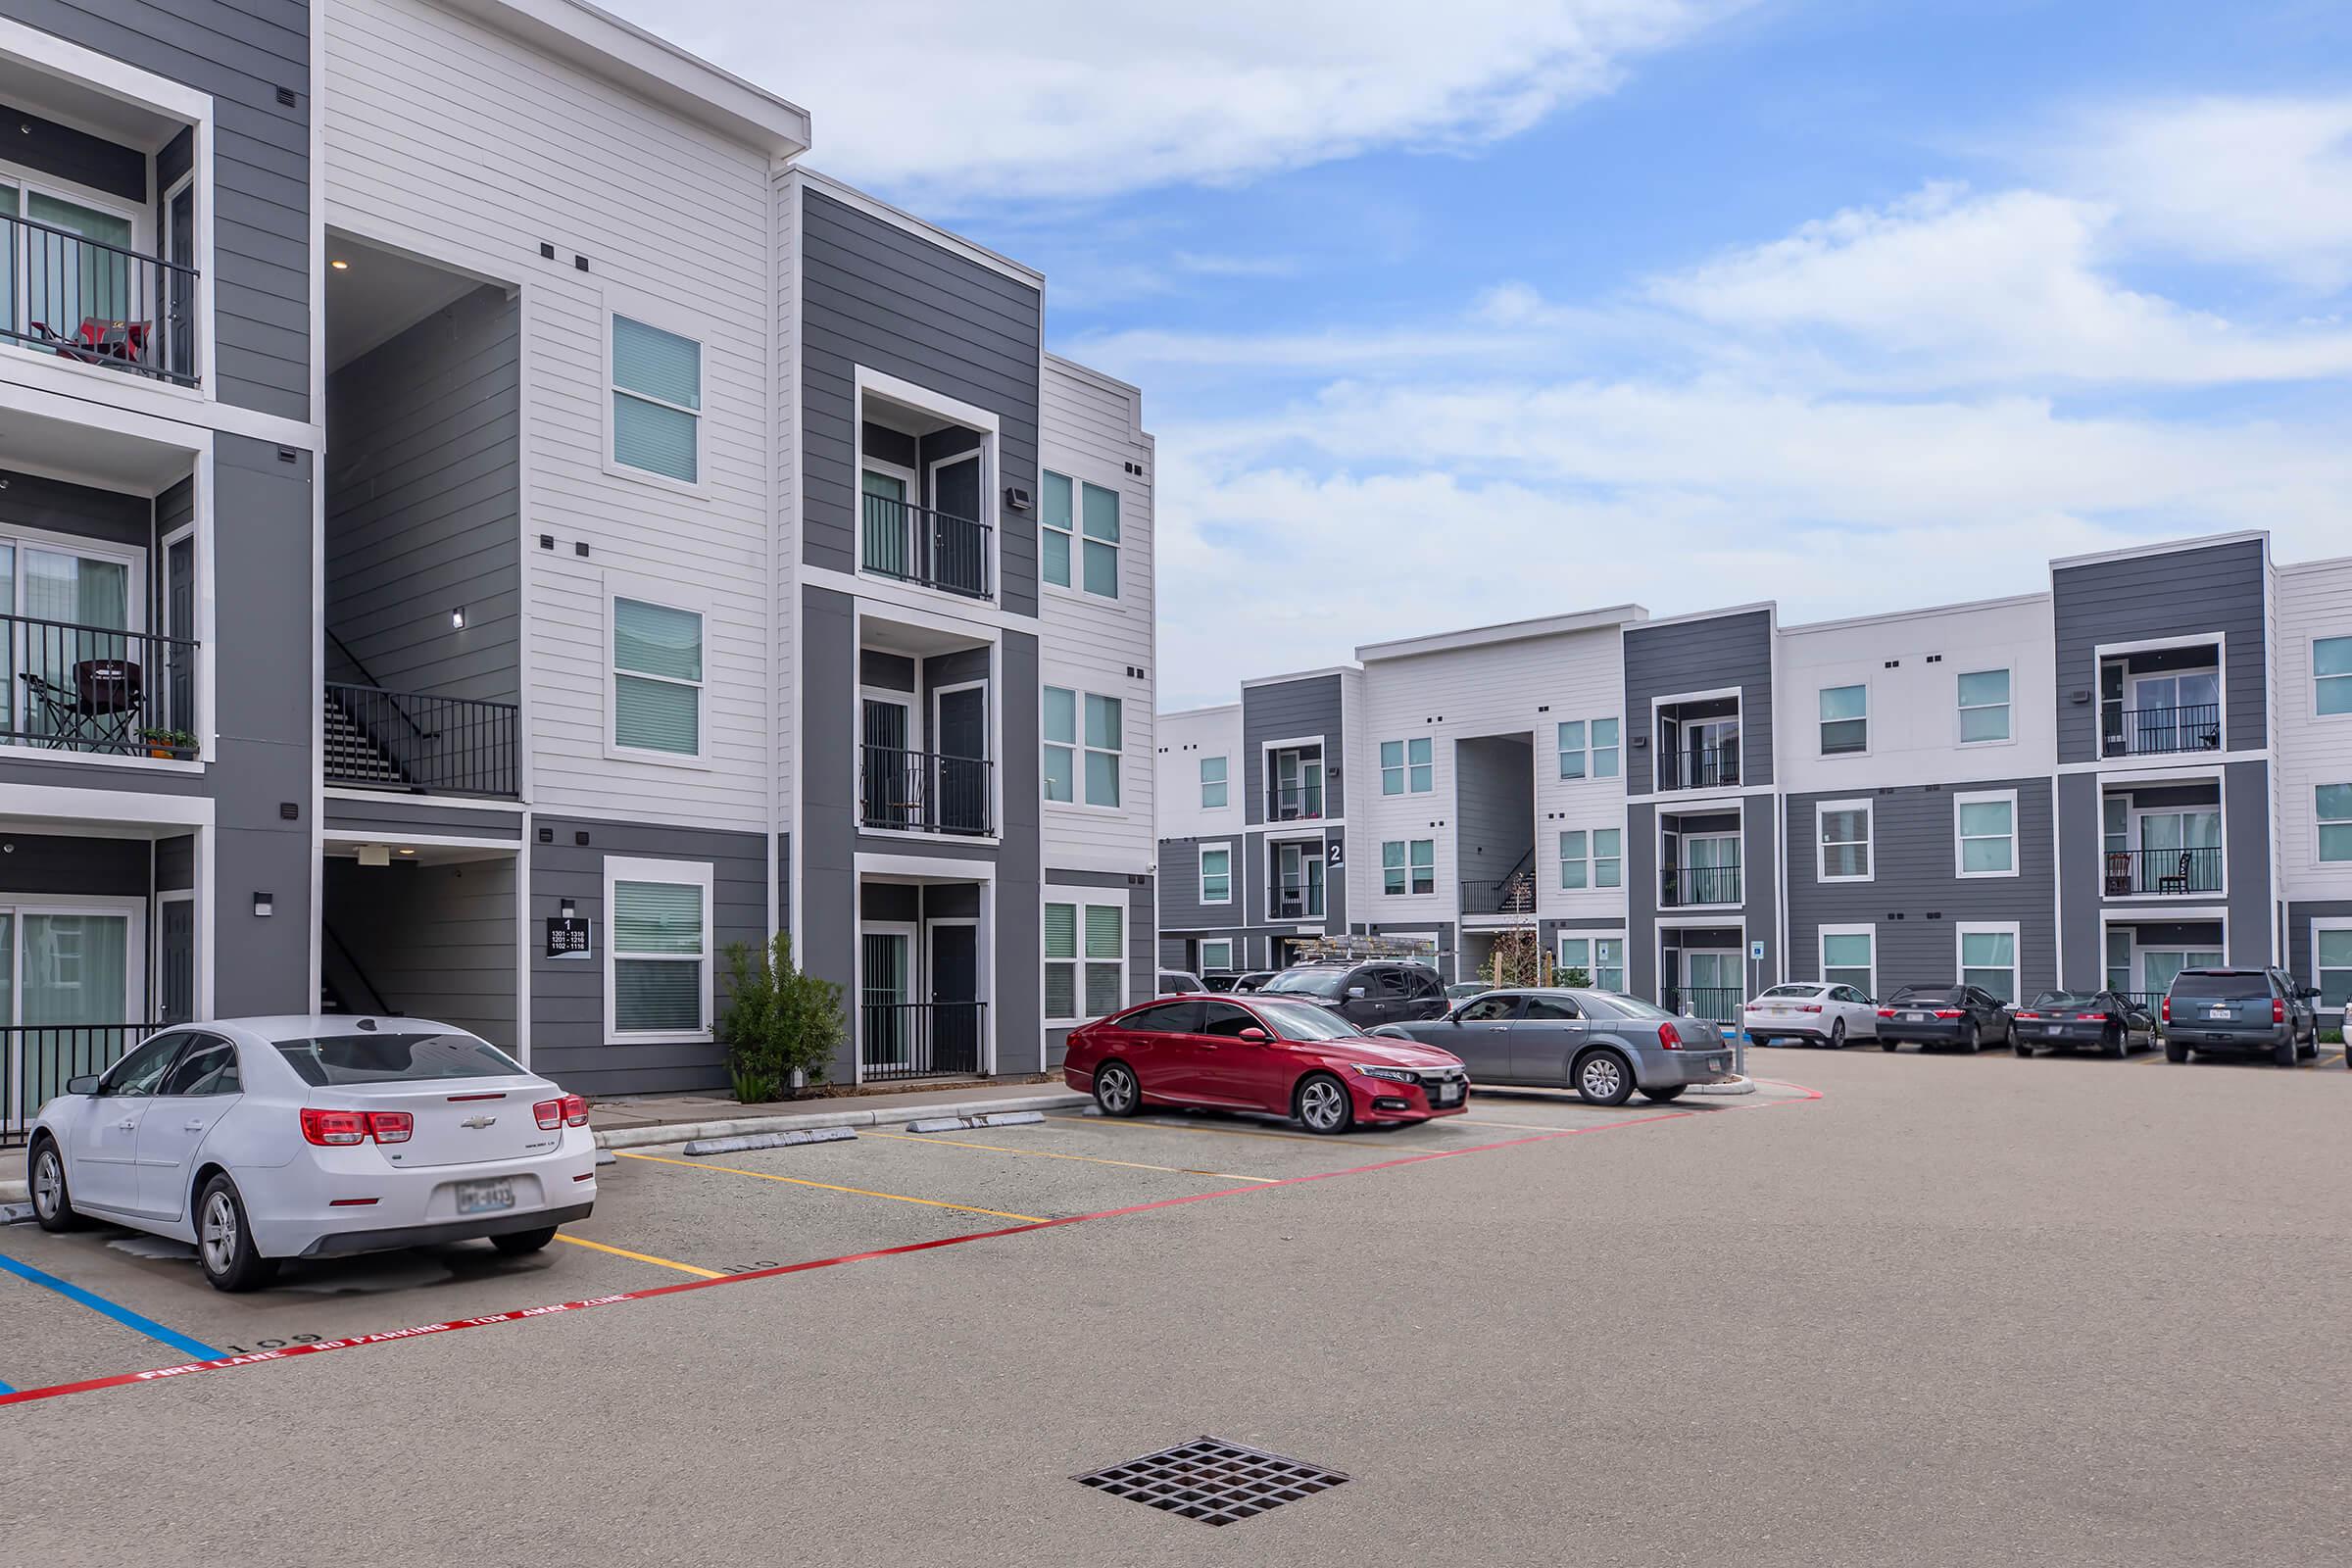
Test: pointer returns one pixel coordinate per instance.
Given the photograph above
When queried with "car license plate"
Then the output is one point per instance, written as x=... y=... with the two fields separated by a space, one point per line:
x=485 y=1198
x=1915 y=1017
x=1716 y=1063
x=2217 y=1013
x=1450 y=1094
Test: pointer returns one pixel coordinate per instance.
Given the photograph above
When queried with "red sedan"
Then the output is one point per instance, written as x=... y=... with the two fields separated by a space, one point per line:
x=1293 y=1059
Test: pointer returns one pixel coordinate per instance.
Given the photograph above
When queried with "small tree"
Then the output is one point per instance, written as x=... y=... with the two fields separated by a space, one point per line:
x=1571 y=975
x=779 y=1020
x=1518 y=958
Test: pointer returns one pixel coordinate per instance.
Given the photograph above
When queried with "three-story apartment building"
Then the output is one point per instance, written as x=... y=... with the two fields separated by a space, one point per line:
x=2146 y=767
x=491 y=529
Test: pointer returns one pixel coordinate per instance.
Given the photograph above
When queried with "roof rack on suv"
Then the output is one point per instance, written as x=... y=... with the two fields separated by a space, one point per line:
x=1354 y=947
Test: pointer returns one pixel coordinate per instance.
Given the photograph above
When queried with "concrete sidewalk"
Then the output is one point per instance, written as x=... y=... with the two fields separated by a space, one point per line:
x=631 y=1122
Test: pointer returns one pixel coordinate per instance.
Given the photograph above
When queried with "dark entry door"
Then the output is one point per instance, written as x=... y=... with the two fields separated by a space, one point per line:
x=962 y=543
x=955 y=998
x=889 y=782
x=962 y=722
x=177 y=981
x=180 y=622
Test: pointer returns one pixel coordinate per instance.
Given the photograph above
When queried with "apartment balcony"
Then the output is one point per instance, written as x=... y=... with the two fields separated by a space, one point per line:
x=1687 y=887
x=923 y=792
x=2157 y=731
x=98 y=690
x=91 y=302
x=1698 y=740
x=2129 y=873
x=1701 y=768
x=927 y=547
x=926 y=497
x=421 y=743
x=1294 y=899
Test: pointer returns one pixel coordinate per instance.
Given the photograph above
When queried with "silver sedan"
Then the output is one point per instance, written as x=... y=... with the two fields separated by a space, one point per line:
x=1603 y=1045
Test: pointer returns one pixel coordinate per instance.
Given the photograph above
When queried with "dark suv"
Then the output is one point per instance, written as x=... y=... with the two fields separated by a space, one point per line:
x=2240 y=1010
x=1366 y=995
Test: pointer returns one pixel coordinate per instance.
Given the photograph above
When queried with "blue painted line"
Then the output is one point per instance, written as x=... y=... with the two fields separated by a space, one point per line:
x=194 y=1349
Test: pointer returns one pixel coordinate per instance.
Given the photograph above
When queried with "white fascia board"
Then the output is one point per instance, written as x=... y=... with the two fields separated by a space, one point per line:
x=1506 y=632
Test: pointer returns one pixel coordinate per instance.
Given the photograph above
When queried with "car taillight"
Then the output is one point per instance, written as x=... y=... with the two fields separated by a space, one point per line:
x=2166 y=1012
x=1670 y=1038
x=1886 y=1013
x=1810 y=1008
x=548 y=1113
x=2277 y=1010
x=2084 y=1017
x=2029 y=1015
x=390 y=1126
x=332 y=1128
x=575 y=1111
x=1949 y=1012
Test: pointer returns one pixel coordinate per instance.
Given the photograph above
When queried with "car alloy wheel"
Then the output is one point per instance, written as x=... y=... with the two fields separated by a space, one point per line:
x=50 y=1204
x=1116 y=1091
x=1604 y=1079
x=218 y=1233
x=1976 y=1038
x=1838 y=1035
x=224 y=1239
x=1323 y=1104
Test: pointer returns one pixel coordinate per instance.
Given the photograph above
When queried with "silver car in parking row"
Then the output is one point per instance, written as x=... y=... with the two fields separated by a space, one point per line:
x=1603 y=1045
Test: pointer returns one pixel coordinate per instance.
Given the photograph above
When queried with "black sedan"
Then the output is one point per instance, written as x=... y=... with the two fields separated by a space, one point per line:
x=1966 y=1017
x=2084 y=1020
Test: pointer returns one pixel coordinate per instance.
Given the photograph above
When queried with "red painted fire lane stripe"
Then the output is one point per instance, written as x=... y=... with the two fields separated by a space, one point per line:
x=357 y=1341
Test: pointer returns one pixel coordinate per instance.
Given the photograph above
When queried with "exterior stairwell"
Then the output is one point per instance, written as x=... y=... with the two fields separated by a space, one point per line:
x=1518 y=892
x=350 y=757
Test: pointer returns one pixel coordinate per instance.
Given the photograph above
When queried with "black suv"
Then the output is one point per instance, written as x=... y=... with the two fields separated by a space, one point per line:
x=2241 y=1009
x=1366 y=995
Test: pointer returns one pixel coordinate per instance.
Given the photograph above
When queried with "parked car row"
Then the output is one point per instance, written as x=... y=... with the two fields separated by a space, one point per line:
x=2233 y=1010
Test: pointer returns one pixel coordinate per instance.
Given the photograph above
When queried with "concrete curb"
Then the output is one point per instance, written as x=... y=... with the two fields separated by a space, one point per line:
x=1740 y=1086
x=888 y=1116
x=964 y=1124
x=786 y=1140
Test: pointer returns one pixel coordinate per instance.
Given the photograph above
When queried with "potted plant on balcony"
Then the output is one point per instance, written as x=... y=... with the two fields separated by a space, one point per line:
x=166 y=743
x=782 y=1026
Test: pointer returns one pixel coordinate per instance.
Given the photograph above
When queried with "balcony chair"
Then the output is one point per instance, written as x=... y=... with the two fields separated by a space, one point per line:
x=2176 y=882
x=2119 y=873
x=99 y=711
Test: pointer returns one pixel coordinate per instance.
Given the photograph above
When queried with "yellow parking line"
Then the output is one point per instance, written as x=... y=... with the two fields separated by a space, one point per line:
x=1187 y=1127
x=641 y=1258
x=799 y=1180
x=1092 y=1159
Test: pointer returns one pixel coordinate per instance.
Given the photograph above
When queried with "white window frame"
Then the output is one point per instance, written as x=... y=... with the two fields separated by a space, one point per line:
x=1966 y=798
x=1225 y=783
x=1082 y=897
x=2325 y=923
x=1589 y=753
x=1406 y=864
x=136 y=946
x=663 y=319
x=660 y=596
x=682 y=873
x=1964 y=929
x=1405 y=768
x=1200 y=873
x=2008 y=707
x=1078 y=748
x=2320 y=824
x=2311 y=654
x=1820 y=953
x=888 y=470
x=1600 y=860
x=1592 y=939
x=1870 y=840
x=1582 y=861
x=1225 y=944
x=1820 y=742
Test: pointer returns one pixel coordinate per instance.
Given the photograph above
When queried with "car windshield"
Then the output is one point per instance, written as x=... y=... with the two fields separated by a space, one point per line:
x=2066 y=998
x=1927 y=994
x=1296 y=1021
x=386 y=1058
x=1308 y=982
x=1609 y=1001
x=1794 y=991
x=2254 y=987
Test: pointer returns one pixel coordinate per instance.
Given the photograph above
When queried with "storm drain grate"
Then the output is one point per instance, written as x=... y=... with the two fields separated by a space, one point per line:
x=1215 y=1481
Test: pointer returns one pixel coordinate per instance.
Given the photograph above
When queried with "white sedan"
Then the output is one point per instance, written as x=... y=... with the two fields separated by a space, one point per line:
x=1811 y=1012
x=261 y=1139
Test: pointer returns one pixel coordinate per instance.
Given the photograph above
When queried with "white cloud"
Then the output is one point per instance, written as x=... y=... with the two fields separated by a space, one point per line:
x=2256 y=182
x=948 y=103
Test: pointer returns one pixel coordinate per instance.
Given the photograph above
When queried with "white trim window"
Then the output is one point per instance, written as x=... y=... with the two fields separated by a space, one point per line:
x=1844 y=840
x=1081 y=520
x=1988 y=956
x=1408 y=768
x=2332 y=805
x=2332 y=963
x=1588 y=749
x=1985 y=834
x=1845 y=721
x=1983 y=707
x=656 y=394
x=1576 y=865
x=1086 y=955
x=1408 y=865
x=1059 y=727
x=1094 y=767
x=1217 y=955
x=1215 y=788
x=658 y=947
x=657 y=677
x=2332 y=675
x=1601 y=957
x=1608 y=857
x=1216 y=873
x=1105 y=739
x=1849 y=957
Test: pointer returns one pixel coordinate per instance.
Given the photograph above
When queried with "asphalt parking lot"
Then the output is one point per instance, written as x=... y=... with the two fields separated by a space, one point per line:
x=1952 y=1309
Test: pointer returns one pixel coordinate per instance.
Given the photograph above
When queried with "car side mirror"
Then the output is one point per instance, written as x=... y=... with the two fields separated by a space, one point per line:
x=2309 y=993
x=1356 y=993
x=88 y=1084
x=1256 y=1036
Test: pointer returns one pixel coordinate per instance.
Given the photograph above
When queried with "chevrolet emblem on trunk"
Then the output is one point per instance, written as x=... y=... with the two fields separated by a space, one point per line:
x=477 y=1123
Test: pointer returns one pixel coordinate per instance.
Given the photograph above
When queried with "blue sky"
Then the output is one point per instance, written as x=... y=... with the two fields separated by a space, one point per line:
x=1446 y=316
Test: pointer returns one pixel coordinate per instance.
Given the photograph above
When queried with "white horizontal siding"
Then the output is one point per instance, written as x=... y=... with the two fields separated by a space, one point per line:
x=1914 y=708
x=1184 y=739
x=1462 y=694
x=2314 y=601
x=674 y=222
x=1090 y=427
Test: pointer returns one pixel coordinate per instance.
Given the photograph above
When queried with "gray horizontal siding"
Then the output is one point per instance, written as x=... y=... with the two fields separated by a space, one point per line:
x=876 y=295
x=52 y=862
x=2177 y=593
x=1916 y=894
x=1180 y=906
x=240 y=51
x=1287 y=710
x=420 y=816
x=1144 y=947
x=435 y=941
x=1692 y=655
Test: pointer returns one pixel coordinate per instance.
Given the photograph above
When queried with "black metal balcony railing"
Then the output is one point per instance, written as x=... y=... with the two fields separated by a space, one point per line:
x=2152 y=731
x=378 y=739
x=1681 y=886
x=98 y=304
x=1514 y=894
x=38 y=1060
x=1294 y=900
x=1293 y=803
x=919 y=1039
x=1699 y=767
x=1714 y=1004
x=2129 y=871
x=937 y=548
x=71 y=687
x=920 y=792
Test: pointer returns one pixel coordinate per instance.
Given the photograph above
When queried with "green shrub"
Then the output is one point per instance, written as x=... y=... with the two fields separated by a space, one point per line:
x=778 y=1019
x=1573 y=976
